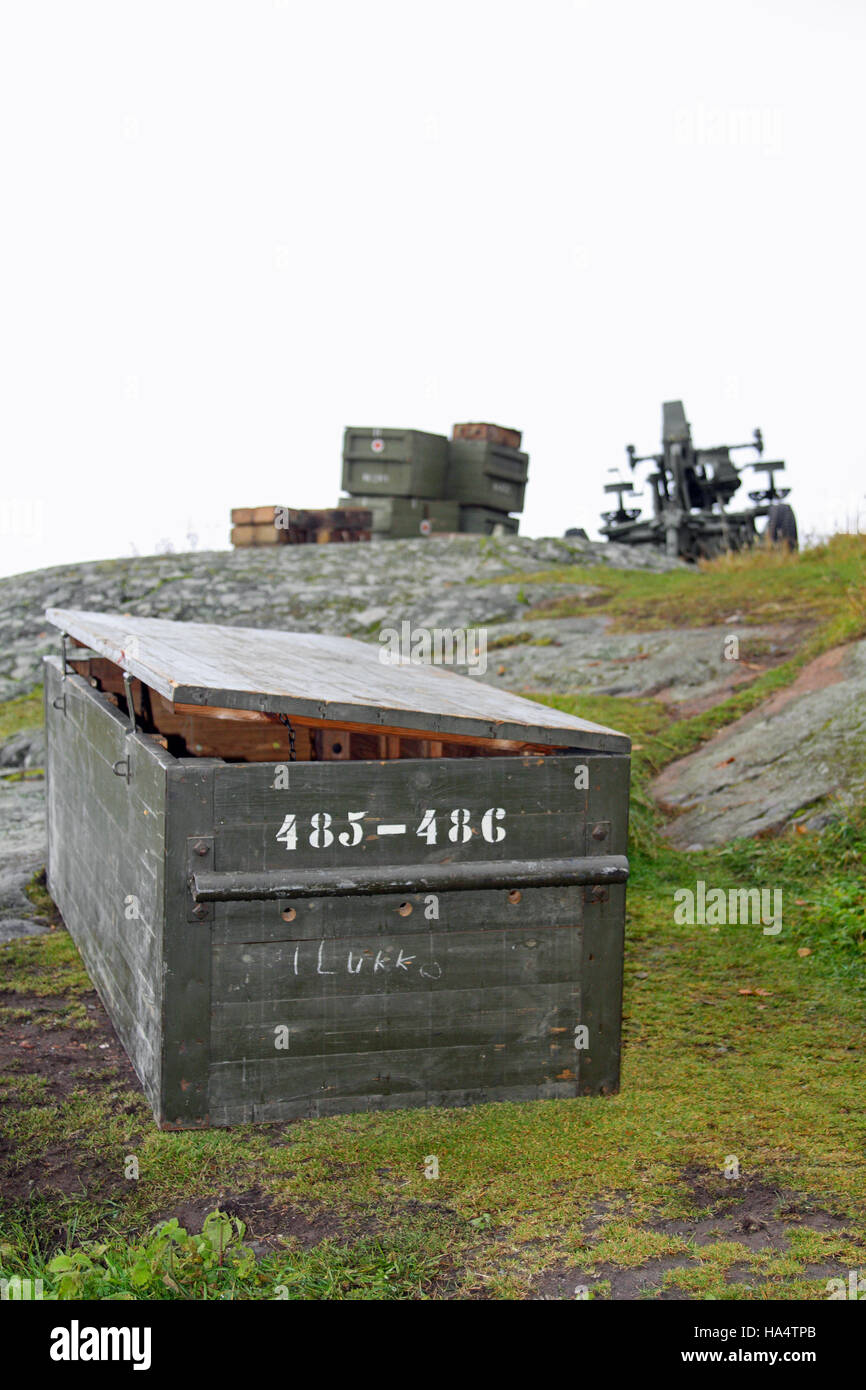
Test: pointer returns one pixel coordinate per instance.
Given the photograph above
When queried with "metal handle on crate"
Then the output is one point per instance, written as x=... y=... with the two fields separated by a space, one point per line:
x=212 y=887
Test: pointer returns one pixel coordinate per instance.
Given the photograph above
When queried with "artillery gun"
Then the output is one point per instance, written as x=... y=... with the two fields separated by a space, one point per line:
x=691 y=489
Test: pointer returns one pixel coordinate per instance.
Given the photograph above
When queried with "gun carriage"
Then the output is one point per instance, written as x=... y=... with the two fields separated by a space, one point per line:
x=690 y=490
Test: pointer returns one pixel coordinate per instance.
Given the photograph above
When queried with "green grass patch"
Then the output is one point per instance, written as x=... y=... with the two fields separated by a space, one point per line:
x=169 y=1262
x=24 y=712
x=45 y=966
x=821 y=585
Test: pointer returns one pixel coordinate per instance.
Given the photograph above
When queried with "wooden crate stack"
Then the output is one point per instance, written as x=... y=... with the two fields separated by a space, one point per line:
x=255 y=526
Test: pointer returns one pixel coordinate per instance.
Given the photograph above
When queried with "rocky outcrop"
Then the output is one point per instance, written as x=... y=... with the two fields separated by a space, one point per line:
x=22 y=854
x=350 y=590
x=686 y=668
x=797 y=757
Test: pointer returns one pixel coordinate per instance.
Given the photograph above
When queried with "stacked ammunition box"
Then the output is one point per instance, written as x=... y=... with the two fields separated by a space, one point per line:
x=416 y=483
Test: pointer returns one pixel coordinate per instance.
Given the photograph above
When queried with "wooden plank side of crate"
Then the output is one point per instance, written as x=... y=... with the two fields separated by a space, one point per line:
x=270 y=1112
x=533 y=785
x=459 y=959
x=532 y=838
x=106 y=856
x=601 y=971
x=187 y=948
x=448 y=1076
x=329 y=678
x=452 y=1016
x=601 y=990
x=402 y=813
x=414 y=913
x=326 y=1026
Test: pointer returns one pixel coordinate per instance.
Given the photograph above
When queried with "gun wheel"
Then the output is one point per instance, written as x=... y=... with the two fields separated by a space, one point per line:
x=781 y=528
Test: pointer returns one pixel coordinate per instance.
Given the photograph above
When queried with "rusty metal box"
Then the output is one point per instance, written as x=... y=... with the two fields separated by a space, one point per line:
x=309 y=876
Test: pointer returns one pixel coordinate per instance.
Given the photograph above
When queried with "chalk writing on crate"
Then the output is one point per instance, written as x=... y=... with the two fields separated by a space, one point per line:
x=329 y=958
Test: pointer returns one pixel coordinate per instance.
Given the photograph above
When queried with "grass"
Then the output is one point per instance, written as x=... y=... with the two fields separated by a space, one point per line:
x=826 y=584
x=774 y=1079
x=24 y=712
x=737 y=1045
x=709 y=1071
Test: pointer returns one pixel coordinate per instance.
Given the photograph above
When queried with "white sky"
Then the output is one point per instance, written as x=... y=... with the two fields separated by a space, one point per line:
x=230 y=229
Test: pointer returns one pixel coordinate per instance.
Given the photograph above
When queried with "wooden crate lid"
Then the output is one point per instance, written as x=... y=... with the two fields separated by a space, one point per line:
x=330 y=678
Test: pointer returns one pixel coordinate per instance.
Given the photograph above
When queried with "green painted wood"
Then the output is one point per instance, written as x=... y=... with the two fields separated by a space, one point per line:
x=253 y=793
x=497 y=460
x=187 y=946
x=601 y=970
x=530 y=837
x=443 y=960
x=394 y=463
x=420 y=1076
x=106 y=857
x=325 y=918
x=469 y=996
x=267 y=1111
x=483 y=474
x=528 y=1017
x=601 y=992
x=402 y=517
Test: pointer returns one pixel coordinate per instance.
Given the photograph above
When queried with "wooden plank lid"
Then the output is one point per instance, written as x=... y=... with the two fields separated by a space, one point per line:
x=336 y=679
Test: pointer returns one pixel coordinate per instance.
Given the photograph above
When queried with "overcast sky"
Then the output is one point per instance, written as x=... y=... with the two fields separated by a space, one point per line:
x=231 y=229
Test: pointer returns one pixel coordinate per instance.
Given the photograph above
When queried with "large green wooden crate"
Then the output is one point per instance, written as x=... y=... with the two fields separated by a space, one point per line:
x=482 y=473
x=424 y=906
x=397 y=518
x=394 y=463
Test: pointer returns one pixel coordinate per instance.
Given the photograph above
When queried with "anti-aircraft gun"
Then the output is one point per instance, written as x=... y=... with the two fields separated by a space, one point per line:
x=691 y=489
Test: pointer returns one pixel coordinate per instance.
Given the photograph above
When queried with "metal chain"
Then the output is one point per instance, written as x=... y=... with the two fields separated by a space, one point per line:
x=284 y=719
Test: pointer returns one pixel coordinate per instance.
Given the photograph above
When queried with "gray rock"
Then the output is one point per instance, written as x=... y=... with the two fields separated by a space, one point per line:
x=24 y=750
x=23 y=849
x=341 y=589
x=803 y=748
x=684 y=667
x=12 y=927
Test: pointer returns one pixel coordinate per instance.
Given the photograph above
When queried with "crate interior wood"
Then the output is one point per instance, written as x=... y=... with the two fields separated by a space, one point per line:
x=305 y=882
